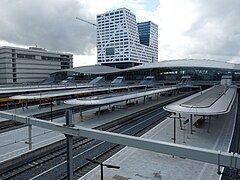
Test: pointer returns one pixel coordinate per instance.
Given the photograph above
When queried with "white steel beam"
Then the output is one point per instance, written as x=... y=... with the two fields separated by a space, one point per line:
x=209 y=156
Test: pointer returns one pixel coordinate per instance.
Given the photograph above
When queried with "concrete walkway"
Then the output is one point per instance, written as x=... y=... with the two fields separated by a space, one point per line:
x=13 y=142
x=136 y=164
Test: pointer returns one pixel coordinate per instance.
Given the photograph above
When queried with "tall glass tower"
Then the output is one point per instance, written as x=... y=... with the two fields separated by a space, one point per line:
x=122 y=42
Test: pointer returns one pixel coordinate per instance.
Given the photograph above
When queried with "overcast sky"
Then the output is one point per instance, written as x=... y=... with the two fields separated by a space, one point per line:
x=208 y=29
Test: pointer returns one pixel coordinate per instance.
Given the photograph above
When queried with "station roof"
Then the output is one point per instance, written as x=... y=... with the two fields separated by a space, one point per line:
x=205 y=63
x=23 y=89
x=175 y=63
x=93 y=69
x=52 y=94
x=116 y=98
x=213 y=101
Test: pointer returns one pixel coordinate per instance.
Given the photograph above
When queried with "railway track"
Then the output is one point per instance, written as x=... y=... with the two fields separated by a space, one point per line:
x=55 y=155
x=9 y=125
x=114 y=148
x=54 y=169
x=59 y=113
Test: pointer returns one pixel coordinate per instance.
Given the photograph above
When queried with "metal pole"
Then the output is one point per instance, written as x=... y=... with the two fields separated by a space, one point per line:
x=101 y=171
x=180 y=121
x=69 y=146
x=184 y=134
x=174 y=129
x=191 y=124
x=30 y=137
x=209 y=124
x=26 y=104
x=22 y=105
x=51 y=110
x=99 y=109
x=40 y=100
x=81 y=116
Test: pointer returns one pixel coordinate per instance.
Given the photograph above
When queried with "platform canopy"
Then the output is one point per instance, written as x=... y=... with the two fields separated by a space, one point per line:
x=53 y=94
x=213 y=101
x=116 y=98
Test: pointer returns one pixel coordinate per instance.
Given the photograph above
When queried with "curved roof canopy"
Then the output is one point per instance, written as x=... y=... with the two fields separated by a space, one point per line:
x=116 y=98
x=204 y=63
x=213 y=101
x=92 y=69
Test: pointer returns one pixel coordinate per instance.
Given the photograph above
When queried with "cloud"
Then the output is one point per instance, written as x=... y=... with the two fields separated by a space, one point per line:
x=48 y=23
x=199 y=29
x=187 y=29
x=80 y=60
x=217 y=30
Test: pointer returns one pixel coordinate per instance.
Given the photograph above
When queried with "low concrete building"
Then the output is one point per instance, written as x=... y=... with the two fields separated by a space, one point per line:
x=19 y=65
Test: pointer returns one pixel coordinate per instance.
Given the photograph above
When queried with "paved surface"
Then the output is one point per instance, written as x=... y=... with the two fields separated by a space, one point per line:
x=13 y=142
x=206 y=99
x=207 y=103
x=135 y=164
x=138 y=164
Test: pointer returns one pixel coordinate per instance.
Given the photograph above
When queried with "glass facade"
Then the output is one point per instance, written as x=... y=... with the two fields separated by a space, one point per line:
x=144 y=33
x=170 y=75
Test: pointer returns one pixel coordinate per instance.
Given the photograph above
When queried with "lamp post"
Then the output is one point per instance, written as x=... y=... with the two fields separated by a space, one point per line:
x=101 y=165
x=174 y=127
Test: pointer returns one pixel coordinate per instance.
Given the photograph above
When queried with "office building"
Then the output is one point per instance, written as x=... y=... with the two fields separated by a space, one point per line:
x=122 y=42
x=19 y=65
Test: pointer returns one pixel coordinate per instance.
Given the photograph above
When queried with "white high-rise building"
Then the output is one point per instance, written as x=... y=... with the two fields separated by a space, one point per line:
x=122 y=42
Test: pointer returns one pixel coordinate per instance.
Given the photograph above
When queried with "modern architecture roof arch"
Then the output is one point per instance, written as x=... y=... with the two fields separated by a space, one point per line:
x=177 y=67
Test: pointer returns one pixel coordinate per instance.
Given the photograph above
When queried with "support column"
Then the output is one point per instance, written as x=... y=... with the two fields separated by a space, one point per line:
x=144 y=99
x=180 y=121
x=40 y=95
x=22 y=105
x=191 y=124
x=184 y=138
x=26 y=104
x=30 y=136
x=51 y=109
x=99 y=109
x=209 y=124
x=80 y=109
x=15 y=109
x=101 y=165
x=40 y=104
x=174 y=129
x=69 y=139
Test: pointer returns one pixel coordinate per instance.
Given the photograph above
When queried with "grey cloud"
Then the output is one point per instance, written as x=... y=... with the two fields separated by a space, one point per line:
x=48 y=23
x=217 y=29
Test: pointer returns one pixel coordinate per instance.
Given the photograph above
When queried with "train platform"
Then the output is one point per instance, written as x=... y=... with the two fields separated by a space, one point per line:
x=38 y=88
x=213 y=101
x=13 y=143
x=136 y=164
x=73 y=91
x=150 y=165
